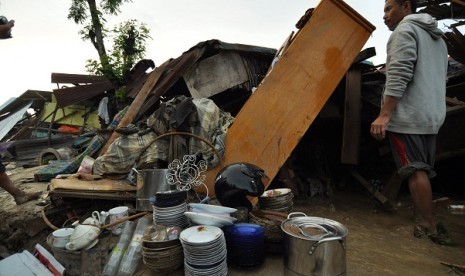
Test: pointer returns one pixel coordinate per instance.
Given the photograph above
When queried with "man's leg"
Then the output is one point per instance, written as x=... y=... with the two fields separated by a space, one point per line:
x=422 y=196
x=19 y=195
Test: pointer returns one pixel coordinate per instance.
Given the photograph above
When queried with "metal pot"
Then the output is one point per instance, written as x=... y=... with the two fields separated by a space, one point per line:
x=150 y=182
x=313 y=246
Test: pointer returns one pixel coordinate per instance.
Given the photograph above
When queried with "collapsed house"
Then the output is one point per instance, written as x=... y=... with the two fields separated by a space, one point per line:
x=226 y=74
x=308 y=127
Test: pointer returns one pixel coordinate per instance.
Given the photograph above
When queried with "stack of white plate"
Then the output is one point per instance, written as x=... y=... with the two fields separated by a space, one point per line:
x=171 y=216
x=280 y=200
x=205 y=252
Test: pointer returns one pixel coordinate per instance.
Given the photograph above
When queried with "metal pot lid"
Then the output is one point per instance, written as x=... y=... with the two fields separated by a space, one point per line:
x=313 y=228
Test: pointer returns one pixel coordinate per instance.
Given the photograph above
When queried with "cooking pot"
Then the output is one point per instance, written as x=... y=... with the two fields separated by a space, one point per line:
x=150 y=182
x=313 y=246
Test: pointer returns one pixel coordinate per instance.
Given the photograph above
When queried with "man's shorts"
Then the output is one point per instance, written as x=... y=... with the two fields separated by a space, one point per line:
x=2 y=167
x=413 y=152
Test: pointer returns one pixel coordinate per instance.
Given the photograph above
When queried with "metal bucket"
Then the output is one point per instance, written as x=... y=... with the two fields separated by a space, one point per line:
x=313 y=246
x=150 y=182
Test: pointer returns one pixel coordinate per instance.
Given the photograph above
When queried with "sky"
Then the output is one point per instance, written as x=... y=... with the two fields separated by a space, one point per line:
x=45 y=41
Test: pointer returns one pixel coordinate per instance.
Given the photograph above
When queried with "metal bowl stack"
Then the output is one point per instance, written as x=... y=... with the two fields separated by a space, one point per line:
x=163 y=256
x=280 y=200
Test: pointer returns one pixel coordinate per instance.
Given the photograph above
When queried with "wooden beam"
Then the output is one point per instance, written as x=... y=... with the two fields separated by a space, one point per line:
x=454 y=101
x=455 y=109
x=376 y=194
x=77 y=78
x=365 y=54
x=351 y=132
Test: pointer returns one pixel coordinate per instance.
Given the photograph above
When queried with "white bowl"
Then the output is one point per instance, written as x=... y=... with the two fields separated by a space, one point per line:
x=209 y=219
x=212 y=208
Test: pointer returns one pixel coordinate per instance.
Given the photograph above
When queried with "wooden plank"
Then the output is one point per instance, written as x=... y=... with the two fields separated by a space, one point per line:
x=454 y=267
x=454 y=101
x=277 y=115
x=376 y=194
x=119 y=195
x=77 y=78
x=365 y=54
x=352 y=117
x=455 y=109
x=91 y=185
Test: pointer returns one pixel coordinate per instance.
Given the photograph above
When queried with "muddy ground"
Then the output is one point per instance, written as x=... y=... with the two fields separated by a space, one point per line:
x=378 y=243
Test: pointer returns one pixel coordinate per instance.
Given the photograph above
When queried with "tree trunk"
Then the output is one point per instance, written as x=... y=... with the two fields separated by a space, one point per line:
x=99 y=44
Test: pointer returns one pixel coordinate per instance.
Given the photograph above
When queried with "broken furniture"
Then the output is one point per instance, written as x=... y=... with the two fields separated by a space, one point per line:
x=280 y=111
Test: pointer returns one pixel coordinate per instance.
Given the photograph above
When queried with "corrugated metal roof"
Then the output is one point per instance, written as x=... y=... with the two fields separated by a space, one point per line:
x=86 y=87
x=73 y=95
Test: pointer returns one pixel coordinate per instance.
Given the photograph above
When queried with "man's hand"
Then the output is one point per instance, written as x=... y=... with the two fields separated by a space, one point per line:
x=378 y=127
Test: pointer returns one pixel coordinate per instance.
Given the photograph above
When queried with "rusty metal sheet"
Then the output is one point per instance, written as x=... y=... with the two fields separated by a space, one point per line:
x=77 y=94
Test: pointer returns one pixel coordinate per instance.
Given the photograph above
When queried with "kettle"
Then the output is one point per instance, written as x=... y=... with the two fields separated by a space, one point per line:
x=84 y=235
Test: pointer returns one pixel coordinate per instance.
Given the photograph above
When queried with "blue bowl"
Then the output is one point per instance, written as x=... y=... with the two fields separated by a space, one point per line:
x=244 y=230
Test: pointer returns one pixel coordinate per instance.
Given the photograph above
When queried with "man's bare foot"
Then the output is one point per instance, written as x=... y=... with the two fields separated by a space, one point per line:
x=25 y=197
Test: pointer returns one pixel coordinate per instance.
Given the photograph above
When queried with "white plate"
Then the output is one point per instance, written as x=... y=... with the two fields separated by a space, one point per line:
x=276 y=192
x=207 y=219
x=213 y=208
x=200 y=234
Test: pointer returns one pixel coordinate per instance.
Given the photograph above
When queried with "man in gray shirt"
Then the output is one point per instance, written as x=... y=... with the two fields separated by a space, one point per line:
x=413 y=106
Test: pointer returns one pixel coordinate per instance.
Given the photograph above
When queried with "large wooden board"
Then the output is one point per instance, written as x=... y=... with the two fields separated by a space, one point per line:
x=92 y=185
x=278 y=114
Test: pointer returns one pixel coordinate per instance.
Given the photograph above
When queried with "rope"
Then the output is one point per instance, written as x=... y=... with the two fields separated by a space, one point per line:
x=44 y=217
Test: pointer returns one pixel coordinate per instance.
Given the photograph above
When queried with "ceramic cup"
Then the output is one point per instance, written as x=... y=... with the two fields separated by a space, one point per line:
x=60 y=237
x=82 y=236
x=118 y=213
